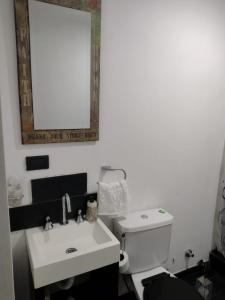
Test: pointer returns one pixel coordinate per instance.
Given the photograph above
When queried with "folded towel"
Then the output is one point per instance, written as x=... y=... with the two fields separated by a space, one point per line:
x=113 y=198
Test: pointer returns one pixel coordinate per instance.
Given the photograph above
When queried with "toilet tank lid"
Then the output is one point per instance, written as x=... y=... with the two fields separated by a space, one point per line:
x=144 y=219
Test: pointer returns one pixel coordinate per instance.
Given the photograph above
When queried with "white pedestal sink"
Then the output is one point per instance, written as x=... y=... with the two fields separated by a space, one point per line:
x=70 y=250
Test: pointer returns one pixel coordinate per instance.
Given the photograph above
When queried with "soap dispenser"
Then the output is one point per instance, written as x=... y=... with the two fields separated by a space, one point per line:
x=91 y=214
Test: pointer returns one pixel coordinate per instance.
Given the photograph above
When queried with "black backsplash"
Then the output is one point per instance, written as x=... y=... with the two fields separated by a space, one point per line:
x=52 y=188
x=47 y=194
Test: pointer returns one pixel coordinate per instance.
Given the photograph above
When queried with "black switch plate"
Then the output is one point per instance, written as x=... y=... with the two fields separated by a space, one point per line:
x=37 y=162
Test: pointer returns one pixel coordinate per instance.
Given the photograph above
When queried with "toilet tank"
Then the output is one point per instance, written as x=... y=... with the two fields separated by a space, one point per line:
x=147 y=237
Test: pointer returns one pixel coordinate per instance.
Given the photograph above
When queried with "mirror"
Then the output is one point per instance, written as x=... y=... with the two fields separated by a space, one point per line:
x=58 y=47
x=60 y=44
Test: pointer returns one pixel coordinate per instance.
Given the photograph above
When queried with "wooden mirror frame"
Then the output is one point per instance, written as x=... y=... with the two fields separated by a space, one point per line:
x=29 y=135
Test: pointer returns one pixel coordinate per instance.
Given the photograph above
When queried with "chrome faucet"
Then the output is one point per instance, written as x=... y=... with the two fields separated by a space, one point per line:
x=79 y=217
x=48 y=224
x=66 y=208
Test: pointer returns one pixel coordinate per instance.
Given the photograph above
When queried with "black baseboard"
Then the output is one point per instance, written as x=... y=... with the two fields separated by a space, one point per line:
x=196 y=270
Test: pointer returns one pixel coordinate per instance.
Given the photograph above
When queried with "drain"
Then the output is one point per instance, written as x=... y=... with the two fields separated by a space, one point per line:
x=70 y=250
x=144 y=216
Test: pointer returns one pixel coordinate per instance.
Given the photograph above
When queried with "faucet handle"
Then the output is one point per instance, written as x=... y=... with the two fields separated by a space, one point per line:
x=68 y=203
x=48 y=223
x=47 y=219
x=79 y=216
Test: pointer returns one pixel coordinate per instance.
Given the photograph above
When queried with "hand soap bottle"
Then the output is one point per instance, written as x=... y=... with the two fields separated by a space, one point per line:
x=91 y=214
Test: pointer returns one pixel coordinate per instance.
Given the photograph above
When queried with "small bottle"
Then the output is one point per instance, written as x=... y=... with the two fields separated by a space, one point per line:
x=91 y=214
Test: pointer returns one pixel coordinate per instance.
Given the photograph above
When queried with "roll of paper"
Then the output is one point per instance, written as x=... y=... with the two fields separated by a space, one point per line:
x=124 y=262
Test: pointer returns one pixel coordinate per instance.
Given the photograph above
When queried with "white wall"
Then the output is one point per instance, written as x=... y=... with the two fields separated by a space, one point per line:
x=161 y=112
x=6 y=278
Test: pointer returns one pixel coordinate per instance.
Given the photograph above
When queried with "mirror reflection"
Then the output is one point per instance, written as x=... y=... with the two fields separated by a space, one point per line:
x=60 y=43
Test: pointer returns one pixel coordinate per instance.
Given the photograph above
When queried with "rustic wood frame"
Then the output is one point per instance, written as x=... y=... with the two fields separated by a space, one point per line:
x=29 y=135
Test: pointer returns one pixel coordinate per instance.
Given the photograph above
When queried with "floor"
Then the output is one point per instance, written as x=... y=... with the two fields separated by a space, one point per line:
x=219 y=288
x=126 y=286
x=218 y=291
x=128 y=296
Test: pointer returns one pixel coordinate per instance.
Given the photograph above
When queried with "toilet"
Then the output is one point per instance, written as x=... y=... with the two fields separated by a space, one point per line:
x=147 y=243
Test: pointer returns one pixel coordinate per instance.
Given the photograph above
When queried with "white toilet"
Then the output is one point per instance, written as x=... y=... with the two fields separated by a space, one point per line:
x=147 y=243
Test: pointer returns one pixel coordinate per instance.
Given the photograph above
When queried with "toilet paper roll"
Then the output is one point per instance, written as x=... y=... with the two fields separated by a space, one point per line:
x=124 y=262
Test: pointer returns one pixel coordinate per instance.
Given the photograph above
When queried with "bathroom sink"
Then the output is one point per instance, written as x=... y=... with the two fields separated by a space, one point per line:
x=70 y=250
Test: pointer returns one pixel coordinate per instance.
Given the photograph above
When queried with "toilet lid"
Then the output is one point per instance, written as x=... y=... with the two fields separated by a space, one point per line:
x=168 y=288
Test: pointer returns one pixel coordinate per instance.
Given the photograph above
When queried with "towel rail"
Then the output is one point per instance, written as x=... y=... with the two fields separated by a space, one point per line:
x=109 y=168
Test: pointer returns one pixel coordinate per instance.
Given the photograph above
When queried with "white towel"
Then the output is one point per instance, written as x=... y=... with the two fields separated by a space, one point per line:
x=113 y=198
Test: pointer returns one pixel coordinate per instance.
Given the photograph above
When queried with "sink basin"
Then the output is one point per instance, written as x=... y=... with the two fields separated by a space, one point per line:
x=70 y=250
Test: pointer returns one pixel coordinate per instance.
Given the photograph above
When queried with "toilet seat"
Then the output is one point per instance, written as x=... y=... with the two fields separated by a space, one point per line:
x=138 y=277
x=164 y=288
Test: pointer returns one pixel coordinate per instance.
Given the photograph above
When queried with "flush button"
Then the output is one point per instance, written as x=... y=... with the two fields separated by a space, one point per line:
x=144 y=216
x=70 y=250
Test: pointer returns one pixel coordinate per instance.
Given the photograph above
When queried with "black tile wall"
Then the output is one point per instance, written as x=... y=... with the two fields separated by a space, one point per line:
x=52 y=188
x=33 y=215
x=46 y=197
